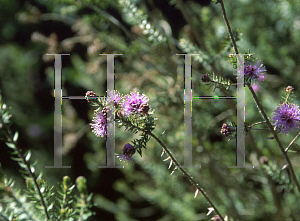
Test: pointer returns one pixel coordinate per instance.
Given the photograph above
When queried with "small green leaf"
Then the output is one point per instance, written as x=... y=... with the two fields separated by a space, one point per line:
x=16 y=136
x=35 y=162
x=32 y=169
x=15 y=153
x=28 y=155
x=16 y=159
x=11 y=145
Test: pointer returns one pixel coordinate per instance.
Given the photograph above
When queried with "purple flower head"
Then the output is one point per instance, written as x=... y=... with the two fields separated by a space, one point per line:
x=116 y=97
x=254 y=72
x=100 y=119
x=286 y=117
x=128 y=151
x=135 y=103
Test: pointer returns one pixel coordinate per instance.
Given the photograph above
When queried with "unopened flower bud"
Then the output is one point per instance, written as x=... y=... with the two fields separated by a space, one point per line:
x=119 y=114
x=205 y=78
x=104 y=112
x=216 y=218
x=225 y=130
x=263 y=160
x=89 y=95
x=66 y=182
x=289 y=89
x=81 y=185
x=144 y=108
x=127 y=151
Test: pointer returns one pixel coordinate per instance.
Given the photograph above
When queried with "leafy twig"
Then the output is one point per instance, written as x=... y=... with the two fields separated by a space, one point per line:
x=11 y=142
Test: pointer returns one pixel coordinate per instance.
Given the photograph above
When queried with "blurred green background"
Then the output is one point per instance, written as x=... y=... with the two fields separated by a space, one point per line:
x=149 y=33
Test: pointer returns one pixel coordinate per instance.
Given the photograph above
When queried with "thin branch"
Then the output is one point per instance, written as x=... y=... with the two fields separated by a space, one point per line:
x=286 y=150
x=228 y=27
x=260 y=107
x=186 y=174
x=257 y=123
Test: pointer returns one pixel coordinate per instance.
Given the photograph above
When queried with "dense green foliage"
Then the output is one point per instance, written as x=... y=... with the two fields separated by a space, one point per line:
x=38 y=201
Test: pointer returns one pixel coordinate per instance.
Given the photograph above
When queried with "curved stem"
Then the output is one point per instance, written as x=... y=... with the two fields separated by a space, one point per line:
x=185 y=173
x=177 y=165
x=257 y=123
x=259 y=105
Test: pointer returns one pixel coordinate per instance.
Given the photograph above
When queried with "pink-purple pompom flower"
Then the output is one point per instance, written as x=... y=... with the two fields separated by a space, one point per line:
x=114 y=97
x=99 y=127
x=135 y=103
x=254 y=72
x=121 y=107
x=286 y=118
